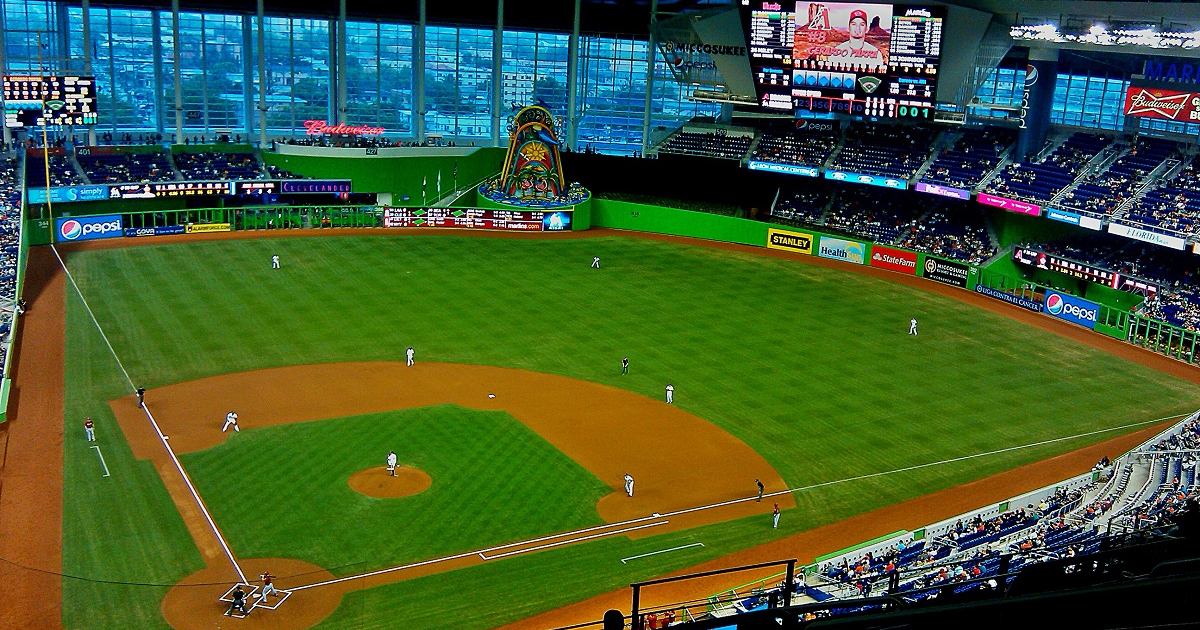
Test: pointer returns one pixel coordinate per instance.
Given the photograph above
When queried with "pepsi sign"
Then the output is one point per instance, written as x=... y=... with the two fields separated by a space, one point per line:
x=69 y=229
x=1071 y=308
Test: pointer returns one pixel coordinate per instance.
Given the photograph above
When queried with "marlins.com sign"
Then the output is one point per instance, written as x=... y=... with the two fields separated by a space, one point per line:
x=789 y=241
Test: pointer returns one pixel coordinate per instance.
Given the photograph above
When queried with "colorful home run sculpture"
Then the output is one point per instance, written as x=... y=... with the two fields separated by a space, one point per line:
x=532 y=174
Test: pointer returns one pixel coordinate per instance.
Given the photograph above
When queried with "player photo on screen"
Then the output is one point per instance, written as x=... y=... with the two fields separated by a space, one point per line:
x=842 y=36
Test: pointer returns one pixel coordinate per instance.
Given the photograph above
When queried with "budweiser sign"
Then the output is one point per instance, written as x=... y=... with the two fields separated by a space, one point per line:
x=1162 y=104
x=319 y=127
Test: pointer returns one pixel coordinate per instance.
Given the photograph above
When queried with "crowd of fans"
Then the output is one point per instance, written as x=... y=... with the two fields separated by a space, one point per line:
x=802 y=206
x=116 y=168
x=1174 y=205
x=1105 y=191
x=10 y=235
x=795 y=147
x=951 y=233
x=889 y=150
x=1041 y=182
x=275 y=172
x=218 y=166
x=62 y=172
x=718 y=144
x=975 y=154
x=877 y=214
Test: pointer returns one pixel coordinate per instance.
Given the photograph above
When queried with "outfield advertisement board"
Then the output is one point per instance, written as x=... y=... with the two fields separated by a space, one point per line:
x=870 y=180
x=839 y=249
x=1073 y=309
x=943 y=191
x=1012 y=205
x=1073 y=218
x=1147 y=236
x=87 y=228
x=201 y=228
x=1010 y=298
x=893 y=259
x=946 y=272
x=789 y=169
x=789 y=241
x=162 y=230
x=67 y=194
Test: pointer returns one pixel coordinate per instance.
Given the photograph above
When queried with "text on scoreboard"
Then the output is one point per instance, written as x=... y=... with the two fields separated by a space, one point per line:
x=479 y=218
x=30 y=101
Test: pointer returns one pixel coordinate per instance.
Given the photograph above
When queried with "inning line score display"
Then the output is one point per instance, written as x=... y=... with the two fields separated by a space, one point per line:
x=849 y=58
x=31 y=101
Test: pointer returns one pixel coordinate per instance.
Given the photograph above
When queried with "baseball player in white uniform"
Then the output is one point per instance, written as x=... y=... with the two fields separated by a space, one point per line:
x=628 y=485
x=391 y=463
x=670 y=393
x=275 y=261
x=912 y=326
x=408 y=354
x=595 y=262
x=230 y=419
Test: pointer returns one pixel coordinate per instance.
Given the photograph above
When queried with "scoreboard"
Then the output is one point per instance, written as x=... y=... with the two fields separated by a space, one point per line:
x=480 y=218
x=850 y=58
x=31 y=101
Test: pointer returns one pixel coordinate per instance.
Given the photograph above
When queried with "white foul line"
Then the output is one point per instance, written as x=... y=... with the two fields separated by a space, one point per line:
x=572 y=540
x=655 y=553
x=102 y=460
x=178 y=466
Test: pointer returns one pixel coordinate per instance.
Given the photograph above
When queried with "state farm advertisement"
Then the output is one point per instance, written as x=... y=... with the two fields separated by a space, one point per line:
x=1162 y=104
x=893 y=259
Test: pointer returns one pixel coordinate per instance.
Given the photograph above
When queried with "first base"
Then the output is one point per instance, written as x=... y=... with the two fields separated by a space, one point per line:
x=491 y=395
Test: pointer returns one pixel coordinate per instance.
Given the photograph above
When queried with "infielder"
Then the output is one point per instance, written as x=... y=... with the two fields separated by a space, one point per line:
x=670 y=393
x=89 y=429
x=624 y=365
x=409 y=356
x=628 y=485
x=391 y=463
x=760 y=488
x=268 y=585
x=912 y=326
x=275 y=261
x=595 y=262
x=230 y=419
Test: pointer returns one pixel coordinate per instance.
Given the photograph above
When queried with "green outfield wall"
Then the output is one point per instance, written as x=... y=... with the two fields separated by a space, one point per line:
x=401 y=176
x=624 y=215
x=581 y=212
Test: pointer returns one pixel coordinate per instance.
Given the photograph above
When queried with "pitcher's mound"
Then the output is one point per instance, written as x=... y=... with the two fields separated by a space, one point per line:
x=376 y=482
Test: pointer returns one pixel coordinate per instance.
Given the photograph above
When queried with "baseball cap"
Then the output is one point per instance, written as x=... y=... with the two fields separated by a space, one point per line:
x=858 y=13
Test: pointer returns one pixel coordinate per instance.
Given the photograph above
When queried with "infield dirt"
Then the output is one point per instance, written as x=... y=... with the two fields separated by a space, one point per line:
x=31 y=477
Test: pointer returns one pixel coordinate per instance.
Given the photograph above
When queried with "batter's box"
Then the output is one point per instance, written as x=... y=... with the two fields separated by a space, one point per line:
x=271 y=602
x=250 y=591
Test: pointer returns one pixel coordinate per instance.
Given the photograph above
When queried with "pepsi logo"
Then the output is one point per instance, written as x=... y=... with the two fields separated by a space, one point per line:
x=70 y=230
x=1054 y=304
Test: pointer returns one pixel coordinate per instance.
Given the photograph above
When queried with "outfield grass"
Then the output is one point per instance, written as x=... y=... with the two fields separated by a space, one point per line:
x=810 y=366
x=283 y=490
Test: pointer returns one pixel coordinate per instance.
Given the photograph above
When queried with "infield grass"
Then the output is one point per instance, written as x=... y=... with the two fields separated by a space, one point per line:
x=810 y=366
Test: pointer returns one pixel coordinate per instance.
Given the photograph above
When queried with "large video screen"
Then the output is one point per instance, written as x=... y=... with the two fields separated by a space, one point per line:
x=30 y=101
x=840 y=57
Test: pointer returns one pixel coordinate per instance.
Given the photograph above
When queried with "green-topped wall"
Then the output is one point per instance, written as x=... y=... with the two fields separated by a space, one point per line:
x=399 y=176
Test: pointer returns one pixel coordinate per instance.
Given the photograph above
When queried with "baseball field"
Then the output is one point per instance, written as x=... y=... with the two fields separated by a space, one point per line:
x=516 y=424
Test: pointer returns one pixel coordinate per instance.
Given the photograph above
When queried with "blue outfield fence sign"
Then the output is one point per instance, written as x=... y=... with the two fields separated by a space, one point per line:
x=1073 y=309
x=1010 y=298
x=70 y=229
x=67 y=194
x=162 y=230
x=870 y=180
x=789 y=169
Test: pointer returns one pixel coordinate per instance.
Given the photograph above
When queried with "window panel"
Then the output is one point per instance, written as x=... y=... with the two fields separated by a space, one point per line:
x=612 y=84
x=458 y=81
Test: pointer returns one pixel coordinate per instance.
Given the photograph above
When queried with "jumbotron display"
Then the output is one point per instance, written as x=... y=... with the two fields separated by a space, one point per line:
x=31 y=101
x=848 y=58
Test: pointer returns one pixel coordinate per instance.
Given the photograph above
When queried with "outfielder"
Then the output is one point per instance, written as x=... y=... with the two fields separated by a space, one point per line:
x=391 y=463
x=595 y=262
x=624 y=365
x=912 y=326
x=628 y=485
x=230 y=419
x=275 y=261
x=408 y=354
x=670 y=393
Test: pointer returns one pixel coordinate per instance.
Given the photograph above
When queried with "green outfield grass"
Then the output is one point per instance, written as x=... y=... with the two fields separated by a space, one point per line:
x=810 y=366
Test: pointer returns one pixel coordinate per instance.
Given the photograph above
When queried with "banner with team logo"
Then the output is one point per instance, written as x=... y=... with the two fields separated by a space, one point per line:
x=1162 y=104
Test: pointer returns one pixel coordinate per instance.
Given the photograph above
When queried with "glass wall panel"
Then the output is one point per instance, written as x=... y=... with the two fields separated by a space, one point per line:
x=458 y=81
x=612 y=88
x=1085 y=101
x=535 y=71
x=379 y=76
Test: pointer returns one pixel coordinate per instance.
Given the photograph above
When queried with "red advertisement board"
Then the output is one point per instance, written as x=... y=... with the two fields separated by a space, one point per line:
x=893 y=259
x=1162 y=104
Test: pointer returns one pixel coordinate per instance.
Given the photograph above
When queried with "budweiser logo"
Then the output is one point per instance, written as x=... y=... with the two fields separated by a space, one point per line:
x=1145 y=102
x=318 y=127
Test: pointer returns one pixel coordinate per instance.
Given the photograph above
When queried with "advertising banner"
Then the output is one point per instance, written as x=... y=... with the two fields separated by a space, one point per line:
x=201 y=228
x=870 y=180
x=1073 y=218
x=307 y=186
x=789 y=169
x=68 y=194
x=1162 y=104
x=943 y=191
x=836 y=248
x=1073 y=309
x=789 y=241
x=1174 y=242
x=162 y=230
x=1012 y=205
x=1010 y=298
x=87 y=228
x=946 y=272
x=893 y=259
